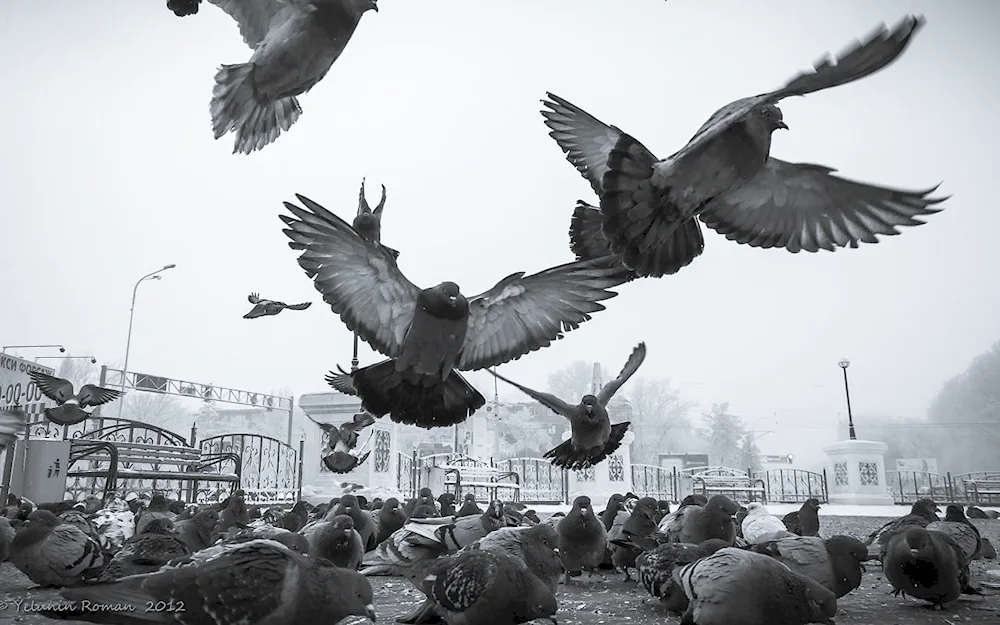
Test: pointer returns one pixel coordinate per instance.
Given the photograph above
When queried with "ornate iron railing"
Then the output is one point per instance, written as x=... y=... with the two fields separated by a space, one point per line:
x=270 y=471
x=404 y=475
x=656 y=482
x=541 y=481
x=793 y=485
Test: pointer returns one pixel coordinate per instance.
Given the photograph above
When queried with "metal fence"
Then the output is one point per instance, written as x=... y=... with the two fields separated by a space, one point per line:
x=271 y=471
x=975 y=488
x=656 y=482
x=793 y=485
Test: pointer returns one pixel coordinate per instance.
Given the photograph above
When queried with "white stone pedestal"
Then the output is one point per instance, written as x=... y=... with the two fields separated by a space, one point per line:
x=614 y=475
x=856 y=473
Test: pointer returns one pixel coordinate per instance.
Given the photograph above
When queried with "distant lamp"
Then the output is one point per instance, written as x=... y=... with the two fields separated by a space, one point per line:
x=844 y=364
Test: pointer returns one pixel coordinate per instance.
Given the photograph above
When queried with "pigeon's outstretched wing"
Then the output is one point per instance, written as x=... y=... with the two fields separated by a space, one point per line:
x=254 y=298
x=359 y=279
x=256 y=17
x=631 y=366
x=91 y=395
x=863 y=58
x=800 y=206
x=551 y=402
x=56 y=389
x=301 y=306
x=522 y=314
x=586 y=140
x=341 y=381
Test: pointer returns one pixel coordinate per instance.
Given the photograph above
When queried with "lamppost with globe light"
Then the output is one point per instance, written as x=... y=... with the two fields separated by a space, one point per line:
x=844 y=364
x=128 y=342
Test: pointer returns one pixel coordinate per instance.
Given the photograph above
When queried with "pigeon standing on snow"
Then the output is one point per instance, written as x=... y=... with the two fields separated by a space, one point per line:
x=582 y=538
x=836 y=563
x=430 y=334
x=234 y=513
x=480 y=587
x=760 y=526
x=738 y=586
x=294 y=46
x=259 y=582
x=593 y=437
x=805 y=520
x=926 y=565
x=51 y=553
x=725 y=176
x=70 y=405
x=269 y=307
x=975 y=513
x=961 y=530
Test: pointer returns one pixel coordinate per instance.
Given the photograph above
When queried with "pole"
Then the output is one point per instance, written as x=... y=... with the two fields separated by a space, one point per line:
x=354 y=359
x=131 y=316
x=850 y=417
x=291 y=410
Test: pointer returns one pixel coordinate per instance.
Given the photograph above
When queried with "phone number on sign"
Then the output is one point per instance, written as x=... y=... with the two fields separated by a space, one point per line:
x=18 y=394
x=30 y=605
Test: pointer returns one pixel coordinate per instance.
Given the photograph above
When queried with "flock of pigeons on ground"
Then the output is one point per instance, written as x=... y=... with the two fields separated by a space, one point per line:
x=711 y=560
x=646 y=226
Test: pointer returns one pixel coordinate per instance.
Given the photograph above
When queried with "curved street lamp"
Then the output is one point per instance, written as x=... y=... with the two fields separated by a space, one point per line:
x=844 y=364
x=131 y=313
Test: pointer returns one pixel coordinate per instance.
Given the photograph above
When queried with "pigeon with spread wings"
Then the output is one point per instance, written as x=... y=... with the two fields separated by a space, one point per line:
x=593 y=437
x=343 y=439
x=430 y=334
x=295 y=43
x=70 y=404
x=267 y=307
x=725 y=176
x=368 y=221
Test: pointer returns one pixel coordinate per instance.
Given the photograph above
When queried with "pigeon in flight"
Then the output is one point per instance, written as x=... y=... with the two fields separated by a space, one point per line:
x=183 y=8
x=593 y=437
x=428 y=334
x=268 y=307
x=368 y=222
x=725 y=176
x=295 y=43
x=70 y=404
x=344 y=438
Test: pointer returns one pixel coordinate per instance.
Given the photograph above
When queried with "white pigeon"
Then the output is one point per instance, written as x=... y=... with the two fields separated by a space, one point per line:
x=295 y=43
x=115 y=524
x=760 y=526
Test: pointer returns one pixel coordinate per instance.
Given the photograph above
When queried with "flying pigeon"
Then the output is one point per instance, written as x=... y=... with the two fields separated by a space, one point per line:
x=183 y=8
x=737 y=586
x=344 y=438
x=431 y=334
x=593 y=437
x=725 y=176
x=368 y=221
x=268 y=307
x=295 y=43
x=261 y=581
x=70 y=404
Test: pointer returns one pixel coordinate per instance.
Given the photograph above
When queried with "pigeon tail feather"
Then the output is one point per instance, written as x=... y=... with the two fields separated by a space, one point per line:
x=383 y=391
x=567 y=456
x=237 y=107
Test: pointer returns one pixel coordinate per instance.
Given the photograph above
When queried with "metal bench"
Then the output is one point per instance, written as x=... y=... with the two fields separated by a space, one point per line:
x=983 y=491
x=748 y=489
x=483 y=478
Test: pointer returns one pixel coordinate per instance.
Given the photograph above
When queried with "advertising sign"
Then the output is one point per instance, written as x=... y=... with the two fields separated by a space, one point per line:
x=17 y=389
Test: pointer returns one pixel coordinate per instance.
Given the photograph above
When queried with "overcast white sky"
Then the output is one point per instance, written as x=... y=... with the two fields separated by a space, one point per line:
x=109 y=171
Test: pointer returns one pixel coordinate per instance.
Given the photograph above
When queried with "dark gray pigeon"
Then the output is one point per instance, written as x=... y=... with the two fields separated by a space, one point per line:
x=582 y=538
x=593 y=438
x=268 y=307
x=927 y=565
x=295 y=44
x=836 y=563
x=725 y=176
x=368 y=221
x=738 y=586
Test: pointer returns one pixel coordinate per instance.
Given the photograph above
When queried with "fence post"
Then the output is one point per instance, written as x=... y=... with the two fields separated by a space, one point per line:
x=826 y=491
x=302 y=451
x=948 y=486
x=194 y=434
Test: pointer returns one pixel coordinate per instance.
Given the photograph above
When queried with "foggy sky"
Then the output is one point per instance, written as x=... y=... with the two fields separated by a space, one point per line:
x=109 y=171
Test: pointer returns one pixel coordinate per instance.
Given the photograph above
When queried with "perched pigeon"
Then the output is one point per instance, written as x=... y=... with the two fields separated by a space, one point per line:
x=922 y=513
x=234 y=513
x=738 y=586
x=725 y=176
x=536 y=546
x=976 y=513
x=656 y=570
x=582 y=538
x=294 y=519
x=295 y=44
x=364 y=523
x=269 y=307
x=989 y=553
x=805 y=520
x=146 y=552
x=336 y=540
x=695 y=524
x=253 y=583
x=593 y=437
x=759 y=525
x=260 y=530
x=79 y=520
x=836 y=563
x=469 y=506
x=926 y=565
x=961 y=530
x=70 y=404
x=425 y=497
x=198 y=532
x=115 y=524
x=51 y=553
x=482 y=587
x=157 y=509
x=430 y=334
x=614 y=505
x=183 y=8
x=390 y=517
x=641 y=524
x=447 y=503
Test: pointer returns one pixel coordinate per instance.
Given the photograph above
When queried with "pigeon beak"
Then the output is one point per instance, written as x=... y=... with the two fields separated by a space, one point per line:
x=914 y=552
x=370 y=613
x=781 y=125
x=452 y=299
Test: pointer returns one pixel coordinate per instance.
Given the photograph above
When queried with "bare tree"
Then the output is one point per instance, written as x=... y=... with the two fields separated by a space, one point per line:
x=574 y=381
x=726 y=437
x=659 y=418
x=79 y=371
x=520 y=433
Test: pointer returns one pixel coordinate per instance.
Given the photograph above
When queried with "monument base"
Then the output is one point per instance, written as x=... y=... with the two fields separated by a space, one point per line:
x=857 y=473
x=614 y=475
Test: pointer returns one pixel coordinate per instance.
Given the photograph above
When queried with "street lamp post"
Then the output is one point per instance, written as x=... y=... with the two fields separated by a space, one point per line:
x=62 y=350
x=131 y=314
x=92 y=360
x=844 y=364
